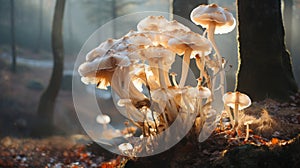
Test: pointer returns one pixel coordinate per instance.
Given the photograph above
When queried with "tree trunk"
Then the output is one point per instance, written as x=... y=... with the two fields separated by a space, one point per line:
x=47 y=101
x=288 y=22
x=13 y=44
x=265 y=67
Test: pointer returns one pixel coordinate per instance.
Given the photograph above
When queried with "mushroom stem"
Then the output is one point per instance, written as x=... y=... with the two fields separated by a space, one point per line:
x=174 y=79
x=185 y=66
x=200 y=65
x=247 y=132
x=236 y=114
x=227 y=109
x=210 y=35
x=161 y=74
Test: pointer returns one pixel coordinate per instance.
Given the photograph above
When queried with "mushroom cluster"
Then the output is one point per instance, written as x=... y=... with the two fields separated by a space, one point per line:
x=138 y=68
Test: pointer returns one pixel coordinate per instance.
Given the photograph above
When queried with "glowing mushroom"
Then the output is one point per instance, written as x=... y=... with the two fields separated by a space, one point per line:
x=160 y=60
x=216 y=20
x=247 y=123
x=101 y=49
x=125 y=148
x=101 y=69
x=103 y=119
x=189 y=44
x=237 y=101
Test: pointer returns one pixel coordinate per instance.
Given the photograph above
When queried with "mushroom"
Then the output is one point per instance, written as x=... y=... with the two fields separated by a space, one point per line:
x=101 y=69
x=247 y=129
x=103 y=119
x=173 y=75
x=156 y=26
x=125 y=148
x=160 y=60
x=237 y=101
x=216 y=20
x=190 y=44
x=101 y=49
x=200 y=63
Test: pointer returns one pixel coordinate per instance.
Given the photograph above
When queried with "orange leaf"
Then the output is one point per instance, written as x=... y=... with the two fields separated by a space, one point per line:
x=274 y=141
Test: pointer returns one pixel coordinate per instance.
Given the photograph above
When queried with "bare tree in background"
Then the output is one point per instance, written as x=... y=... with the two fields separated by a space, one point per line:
x=47 y=101
x=13 y=44
x=265 y=66
x=288 y=22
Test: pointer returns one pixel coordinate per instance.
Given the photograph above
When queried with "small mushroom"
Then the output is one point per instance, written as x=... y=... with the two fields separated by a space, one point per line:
x=125 y=148
x=103 y=119
x=190 y=44
x=247 y=123
x=173 y=75
x=237 y=101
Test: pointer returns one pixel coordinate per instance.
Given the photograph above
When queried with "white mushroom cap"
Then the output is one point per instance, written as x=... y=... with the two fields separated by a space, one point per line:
x=205 y=14
x=154 y=52
x=182 y=40
x=159 y=24
x=123 y=102
x=199 y=92
x=103 y=119
x=101 y=49
x=138 y=39
x=248 y=122
x=125 y=147
x=204 y=92
x=231 y=98
x=100 y=70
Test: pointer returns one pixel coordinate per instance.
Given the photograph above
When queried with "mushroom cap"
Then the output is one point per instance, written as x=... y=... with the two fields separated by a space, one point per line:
x=125 y=147
x=159 y=24
x=103 y=119
x=123 y=102
x=158 y=52
x=100 y=70
x=182 y=40
x=231 y=98
x=206 y=14
x=199 y=92
x=101 y=49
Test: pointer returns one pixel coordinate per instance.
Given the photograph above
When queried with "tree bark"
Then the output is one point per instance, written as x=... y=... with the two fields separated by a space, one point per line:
x=47 y=101
x=13 y=43
x=265 y=69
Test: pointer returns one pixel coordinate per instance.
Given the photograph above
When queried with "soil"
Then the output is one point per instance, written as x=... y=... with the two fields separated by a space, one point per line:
x=274 y=139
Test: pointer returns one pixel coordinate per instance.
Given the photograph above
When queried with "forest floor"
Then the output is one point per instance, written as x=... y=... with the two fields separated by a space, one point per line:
x=274 y=136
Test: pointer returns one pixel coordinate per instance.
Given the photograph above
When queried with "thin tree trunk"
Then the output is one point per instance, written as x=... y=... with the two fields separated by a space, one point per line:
x=13 y=44
x=288 y=22
x=47 y=101
x=265 y=68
